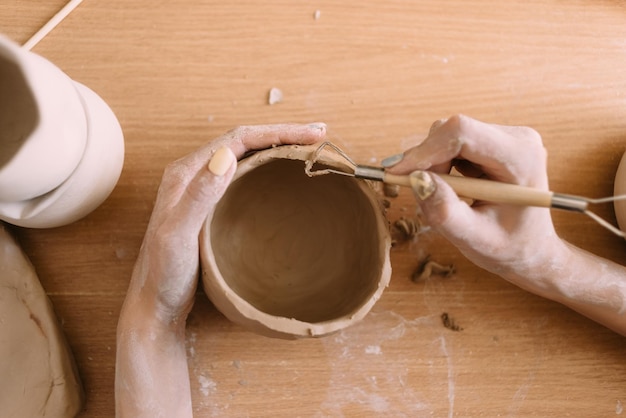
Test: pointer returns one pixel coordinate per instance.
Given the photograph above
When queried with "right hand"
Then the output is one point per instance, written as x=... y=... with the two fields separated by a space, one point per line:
x=512 y=241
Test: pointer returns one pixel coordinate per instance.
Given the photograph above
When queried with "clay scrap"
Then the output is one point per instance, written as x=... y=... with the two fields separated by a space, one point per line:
x=274 y=96
x=427 y=268
x=39 y=375
x=449 y=322
x=408 y=227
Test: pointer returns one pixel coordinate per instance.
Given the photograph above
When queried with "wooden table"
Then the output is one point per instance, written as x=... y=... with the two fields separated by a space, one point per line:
x=179 y=73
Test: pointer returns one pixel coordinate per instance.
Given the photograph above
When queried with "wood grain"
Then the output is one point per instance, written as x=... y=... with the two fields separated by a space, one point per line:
x=178 y=74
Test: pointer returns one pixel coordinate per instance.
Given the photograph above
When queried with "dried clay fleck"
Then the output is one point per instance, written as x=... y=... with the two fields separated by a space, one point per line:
x=275 y=95
x=449 y=322
x=427 y=268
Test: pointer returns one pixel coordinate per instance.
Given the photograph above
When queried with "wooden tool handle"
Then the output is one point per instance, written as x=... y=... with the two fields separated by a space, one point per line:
x=487 y=190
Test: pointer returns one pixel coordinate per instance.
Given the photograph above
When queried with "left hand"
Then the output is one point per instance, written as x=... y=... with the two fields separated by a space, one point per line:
x=166 y=273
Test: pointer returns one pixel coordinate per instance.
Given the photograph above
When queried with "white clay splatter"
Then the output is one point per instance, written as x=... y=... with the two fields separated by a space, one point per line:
x=275 y=96
x=381 y=388
x=189 y=342
x=206 y=385
x=373 y=349
x=121 y=253
x=451 y=377
x=619 y=408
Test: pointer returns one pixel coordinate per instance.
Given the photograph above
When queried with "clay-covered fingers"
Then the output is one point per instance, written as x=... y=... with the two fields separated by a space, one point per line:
x=512 y=154
x=257 y=137
x=489 y=234
x=193 y=185
x=206 y=188
x=441 y=207
x=434 y=153
x=503 y=153
x=248 y=138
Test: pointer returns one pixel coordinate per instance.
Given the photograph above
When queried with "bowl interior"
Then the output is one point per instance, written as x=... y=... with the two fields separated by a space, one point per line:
x=298 y=247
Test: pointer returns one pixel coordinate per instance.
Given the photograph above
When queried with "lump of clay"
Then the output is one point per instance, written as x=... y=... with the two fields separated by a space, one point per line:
x=39 y=375
x=291 y=256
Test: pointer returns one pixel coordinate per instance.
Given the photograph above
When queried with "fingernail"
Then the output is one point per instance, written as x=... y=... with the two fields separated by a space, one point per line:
x=317 y=125
x=391 y=161
x=221 y=161
x=422 y=184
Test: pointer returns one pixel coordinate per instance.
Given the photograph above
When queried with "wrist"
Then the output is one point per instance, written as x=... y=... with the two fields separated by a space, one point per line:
x=541 y=269
x=140 y=313
x=589 y=284
x=147 y=299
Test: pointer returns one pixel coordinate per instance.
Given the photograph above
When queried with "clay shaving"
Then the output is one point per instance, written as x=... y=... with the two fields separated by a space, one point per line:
x=427 y=268
x=406 y=228
x=449 y=322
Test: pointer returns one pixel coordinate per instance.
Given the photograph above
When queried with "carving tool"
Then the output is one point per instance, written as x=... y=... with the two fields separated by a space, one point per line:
x=467 y=187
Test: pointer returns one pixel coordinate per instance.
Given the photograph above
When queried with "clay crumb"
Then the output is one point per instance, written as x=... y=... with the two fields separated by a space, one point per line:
x=449 y=322
x=406 y=228
x=317 y=15
x=275 y=95
x=391 y=190
x=427 y=268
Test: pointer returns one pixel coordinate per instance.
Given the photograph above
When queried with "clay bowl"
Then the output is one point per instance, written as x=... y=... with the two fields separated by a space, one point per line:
x=286 y=255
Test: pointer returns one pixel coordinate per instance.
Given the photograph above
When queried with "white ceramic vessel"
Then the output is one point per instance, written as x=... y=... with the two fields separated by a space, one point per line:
x=61 y=146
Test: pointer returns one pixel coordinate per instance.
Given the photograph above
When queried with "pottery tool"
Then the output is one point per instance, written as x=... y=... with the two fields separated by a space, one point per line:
x=52 y=23
x=467 y=187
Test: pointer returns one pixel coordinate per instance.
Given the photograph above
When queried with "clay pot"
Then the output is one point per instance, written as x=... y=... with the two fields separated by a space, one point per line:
x=61 y=146
x=290 y=256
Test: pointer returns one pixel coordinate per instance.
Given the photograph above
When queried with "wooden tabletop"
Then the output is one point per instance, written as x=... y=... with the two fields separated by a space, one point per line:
x=179 y=73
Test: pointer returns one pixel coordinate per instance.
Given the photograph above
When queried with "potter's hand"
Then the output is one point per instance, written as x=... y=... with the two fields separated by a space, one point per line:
x=517 y=243
x=501 y=238
x=167 y=268
x=151 y=371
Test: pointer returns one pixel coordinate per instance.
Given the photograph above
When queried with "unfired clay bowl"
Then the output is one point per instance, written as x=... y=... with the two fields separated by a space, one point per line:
x=290 y=256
